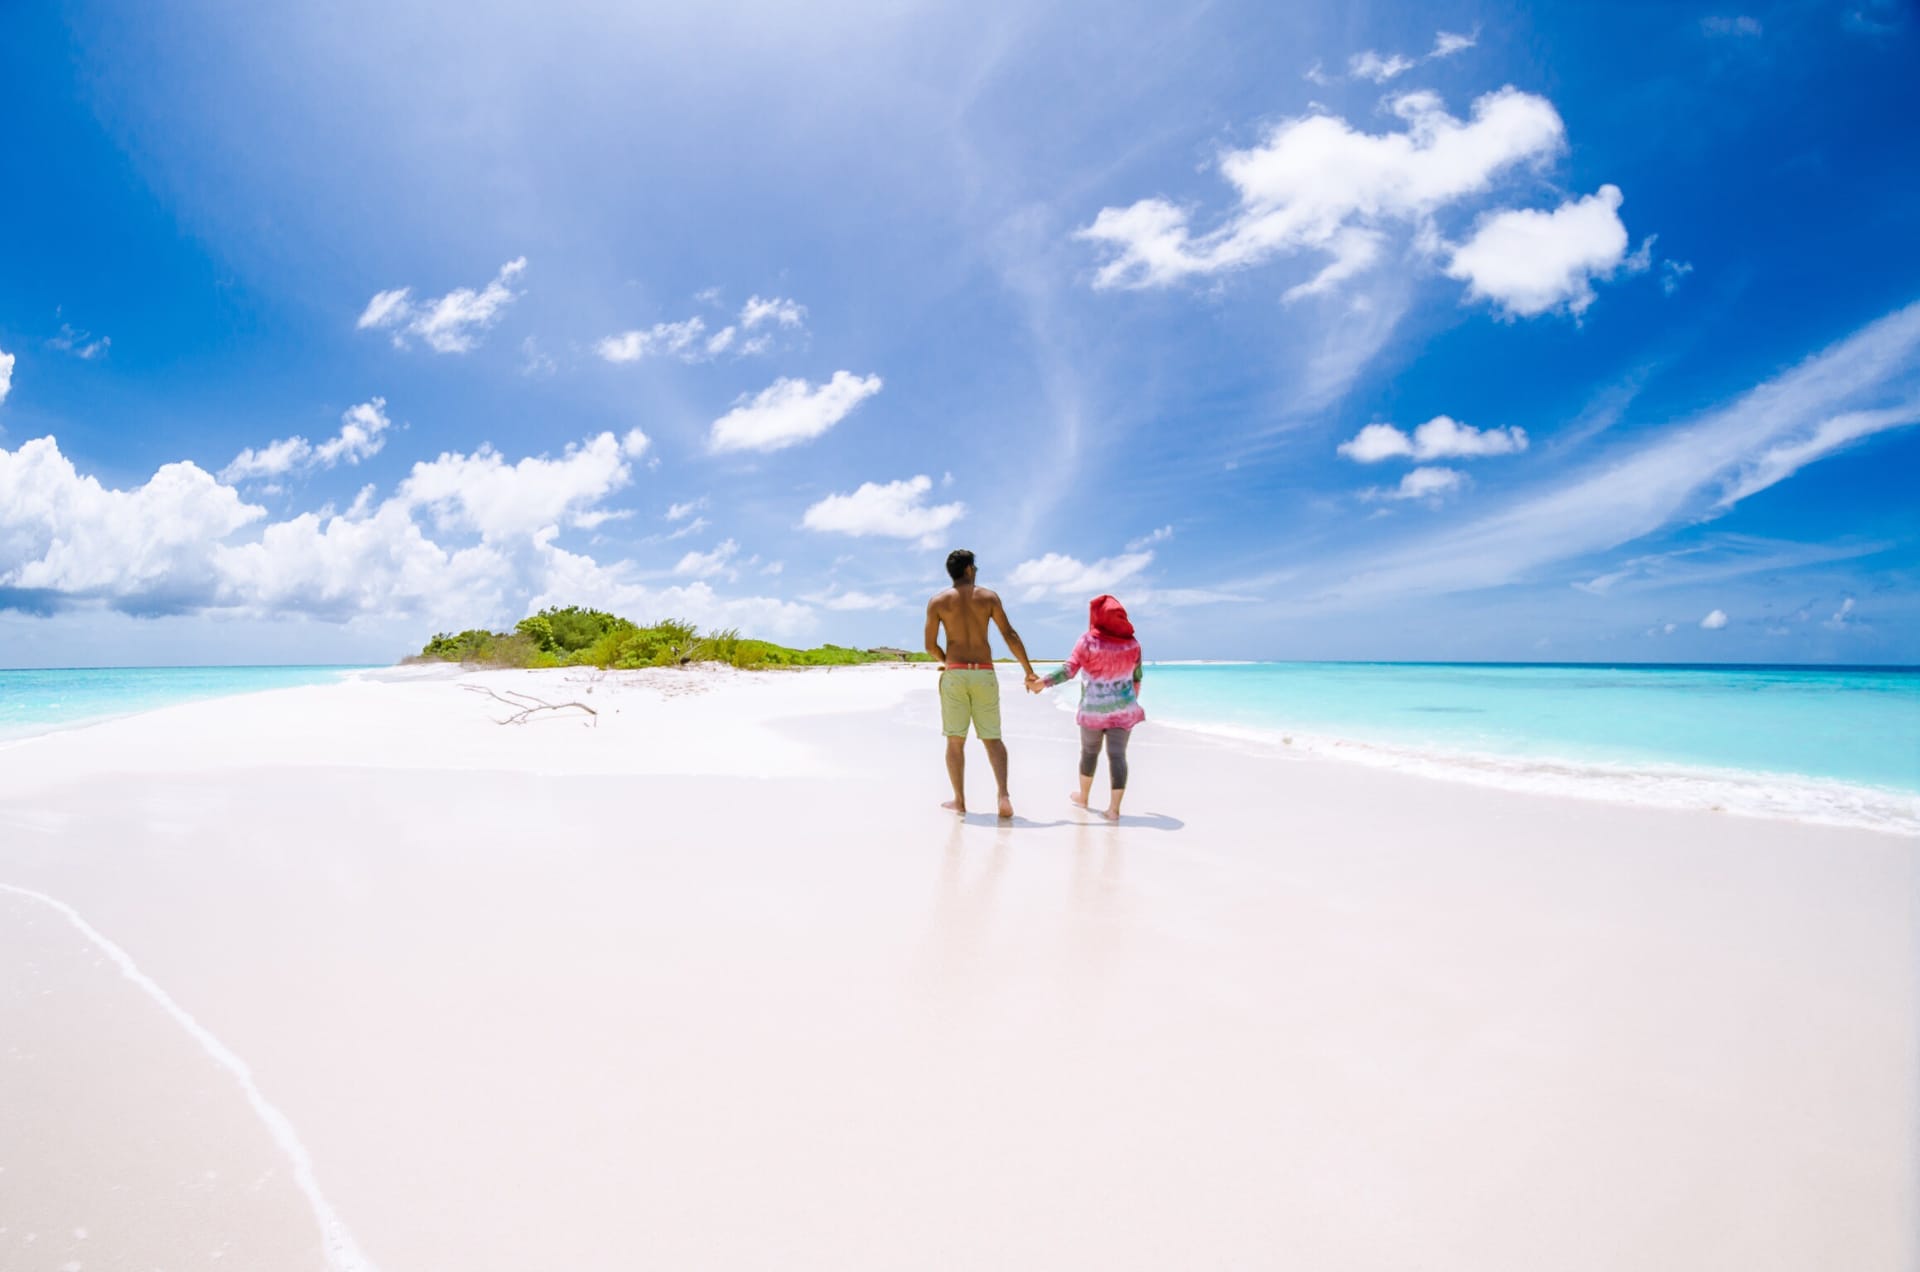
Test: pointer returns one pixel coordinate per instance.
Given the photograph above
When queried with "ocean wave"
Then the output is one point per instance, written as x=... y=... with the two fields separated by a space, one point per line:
x=1783 y=796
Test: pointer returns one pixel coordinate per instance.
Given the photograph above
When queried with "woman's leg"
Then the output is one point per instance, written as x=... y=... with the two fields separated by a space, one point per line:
x=1089 y=760
x=1117 y=768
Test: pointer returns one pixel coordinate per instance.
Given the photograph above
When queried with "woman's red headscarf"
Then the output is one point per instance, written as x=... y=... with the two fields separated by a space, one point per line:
x=1108 y=616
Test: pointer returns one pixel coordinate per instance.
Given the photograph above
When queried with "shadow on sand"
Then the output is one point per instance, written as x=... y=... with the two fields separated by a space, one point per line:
x=1138 y=821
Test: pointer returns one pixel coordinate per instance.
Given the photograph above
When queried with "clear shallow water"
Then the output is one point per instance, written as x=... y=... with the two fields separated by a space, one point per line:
x=39 y=701
x=1825 y=744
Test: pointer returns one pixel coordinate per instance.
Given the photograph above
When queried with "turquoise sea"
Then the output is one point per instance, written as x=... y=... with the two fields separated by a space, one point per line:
x=41 y=700
x=1838 y=744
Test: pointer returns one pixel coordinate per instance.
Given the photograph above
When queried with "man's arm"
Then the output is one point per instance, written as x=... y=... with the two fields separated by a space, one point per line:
x=1012 y=637
x=933 y=635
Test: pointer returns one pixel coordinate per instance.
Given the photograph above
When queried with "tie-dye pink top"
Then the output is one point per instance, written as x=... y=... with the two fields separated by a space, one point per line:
x=1109 y=697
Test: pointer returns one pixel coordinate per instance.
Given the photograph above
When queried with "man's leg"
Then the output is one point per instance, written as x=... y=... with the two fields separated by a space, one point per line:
x=984 y=704
x=957 y=773
x=997 y=756
x=953 y=723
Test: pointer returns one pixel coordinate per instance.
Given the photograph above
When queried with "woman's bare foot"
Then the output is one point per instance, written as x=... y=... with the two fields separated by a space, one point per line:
x=1111 y=814
x=956 y=806
x=1006 y=809
x=1077 y=800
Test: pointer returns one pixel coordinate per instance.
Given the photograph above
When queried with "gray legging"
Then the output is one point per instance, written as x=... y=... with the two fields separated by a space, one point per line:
x=1116 y=754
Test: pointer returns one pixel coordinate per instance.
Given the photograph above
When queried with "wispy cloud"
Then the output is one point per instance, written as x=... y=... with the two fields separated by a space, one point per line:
x=362 y=433
x=81 y=344
x=1867 y=383
x=452 y=323
x=1059 y=575
x=692 y=340
x=1429 y=484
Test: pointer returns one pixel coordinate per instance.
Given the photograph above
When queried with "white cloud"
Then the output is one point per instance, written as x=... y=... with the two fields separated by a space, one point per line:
x=449 y=324
x=681 y=511
x=337 y=567
x=1447 y=43
x=670 y=339
x=785 y=313
x=1372 y=66
x=1714 y=621
x=386 y=309
x=1528 y=262
x=719 y=341
x=483 y=493
x=1671 y=274
x=6 y=374
x=1313 y=177
x=1843 y=617
x=1375 y=442
x=708 y=564
x=897 y=510
x=1421 y=483
x=1150 y=538
x=1868 y=382
x=790 y=411
x=1059 y=575
x=174 y=544
x=275 y=459
x=148 y=548
x=361 y=434
x=1740 y=25
x=1441 y=437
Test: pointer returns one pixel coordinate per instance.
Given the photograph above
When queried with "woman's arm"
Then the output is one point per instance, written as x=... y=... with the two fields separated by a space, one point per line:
x=1068 y=669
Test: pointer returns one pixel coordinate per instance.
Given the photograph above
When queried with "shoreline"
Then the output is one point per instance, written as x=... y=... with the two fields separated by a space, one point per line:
x=1676 y=786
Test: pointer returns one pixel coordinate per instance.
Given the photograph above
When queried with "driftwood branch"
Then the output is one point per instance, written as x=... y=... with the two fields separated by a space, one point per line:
x=526 y=706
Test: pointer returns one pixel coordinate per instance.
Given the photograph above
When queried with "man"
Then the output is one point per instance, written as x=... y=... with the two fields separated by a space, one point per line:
x=969 y=689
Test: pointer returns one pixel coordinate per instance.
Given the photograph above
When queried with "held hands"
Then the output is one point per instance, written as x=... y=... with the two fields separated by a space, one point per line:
x=1034 y=683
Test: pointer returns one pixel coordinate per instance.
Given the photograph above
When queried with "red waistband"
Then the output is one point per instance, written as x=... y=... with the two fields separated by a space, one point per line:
x=968 y=667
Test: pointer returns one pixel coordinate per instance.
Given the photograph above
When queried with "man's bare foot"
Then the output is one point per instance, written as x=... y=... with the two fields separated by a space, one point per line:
x=1077 y=800
x=955 y=806
x=1006 y=809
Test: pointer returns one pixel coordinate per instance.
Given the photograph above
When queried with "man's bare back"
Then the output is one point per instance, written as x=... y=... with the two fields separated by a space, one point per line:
x=966 y=614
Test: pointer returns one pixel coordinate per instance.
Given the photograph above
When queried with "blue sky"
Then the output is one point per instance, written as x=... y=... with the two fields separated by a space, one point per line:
x=1338 y=331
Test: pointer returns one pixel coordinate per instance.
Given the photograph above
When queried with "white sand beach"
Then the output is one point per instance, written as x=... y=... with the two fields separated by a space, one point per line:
x=351 y=977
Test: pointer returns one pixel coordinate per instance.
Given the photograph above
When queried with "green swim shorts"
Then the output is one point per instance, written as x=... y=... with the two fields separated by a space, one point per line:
x=974 y=696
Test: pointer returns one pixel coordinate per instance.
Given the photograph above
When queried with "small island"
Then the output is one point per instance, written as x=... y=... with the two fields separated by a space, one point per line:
x=573 y=636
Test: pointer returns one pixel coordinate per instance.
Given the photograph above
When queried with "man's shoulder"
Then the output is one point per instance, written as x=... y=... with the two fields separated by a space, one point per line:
x=941 y=598
x=987 y=595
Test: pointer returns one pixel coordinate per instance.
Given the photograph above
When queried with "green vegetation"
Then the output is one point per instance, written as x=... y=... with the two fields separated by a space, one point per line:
x=575 y=637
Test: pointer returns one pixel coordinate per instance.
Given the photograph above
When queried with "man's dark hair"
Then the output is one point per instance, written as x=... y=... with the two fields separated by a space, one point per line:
x=959 y=561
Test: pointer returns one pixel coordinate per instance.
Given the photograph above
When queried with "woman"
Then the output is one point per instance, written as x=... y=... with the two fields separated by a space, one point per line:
x=1109 y=699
